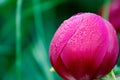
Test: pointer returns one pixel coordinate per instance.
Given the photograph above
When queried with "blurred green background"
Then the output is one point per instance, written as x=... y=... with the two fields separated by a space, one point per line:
x=26 y=29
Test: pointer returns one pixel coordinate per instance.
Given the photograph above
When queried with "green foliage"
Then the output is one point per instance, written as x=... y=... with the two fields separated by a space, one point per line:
x=26 y=30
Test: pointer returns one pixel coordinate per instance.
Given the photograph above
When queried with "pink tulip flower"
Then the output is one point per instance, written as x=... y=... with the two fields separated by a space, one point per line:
x=84 y=47
x=114 y=14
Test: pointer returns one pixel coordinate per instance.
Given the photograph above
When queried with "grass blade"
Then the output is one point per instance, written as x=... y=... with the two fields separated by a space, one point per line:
x=18 y=39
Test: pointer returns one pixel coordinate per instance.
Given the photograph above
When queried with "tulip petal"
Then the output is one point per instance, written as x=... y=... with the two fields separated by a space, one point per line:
x=114 y=14
x=62 y=70
x=82 y=53
x=84 y=47
x=63 y=34
x=112 y=52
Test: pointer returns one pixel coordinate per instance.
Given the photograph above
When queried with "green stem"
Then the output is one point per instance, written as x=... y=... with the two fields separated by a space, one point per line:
x=18 y=39
x=38 y=20
x=106 y=9
x=40 y=43
x=113 y=75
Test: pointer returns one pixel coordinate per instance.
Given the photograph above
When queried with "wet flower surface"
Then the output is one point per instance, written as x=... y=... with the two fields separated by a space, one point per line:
x=84 y=47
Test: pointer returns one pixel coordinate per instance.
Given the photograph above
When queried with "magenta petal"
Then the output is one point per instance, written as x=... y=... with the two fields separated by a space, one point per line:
x=111 y=56
x=84 y=47
x=62 y=70
x=61 y=37
x=82 y=53
x=114 y=14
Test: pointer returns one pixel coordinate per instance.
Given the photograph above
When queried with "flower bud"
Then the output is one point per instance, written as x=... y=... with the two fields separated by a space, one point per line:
x=84 y=47
x=114 y=14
